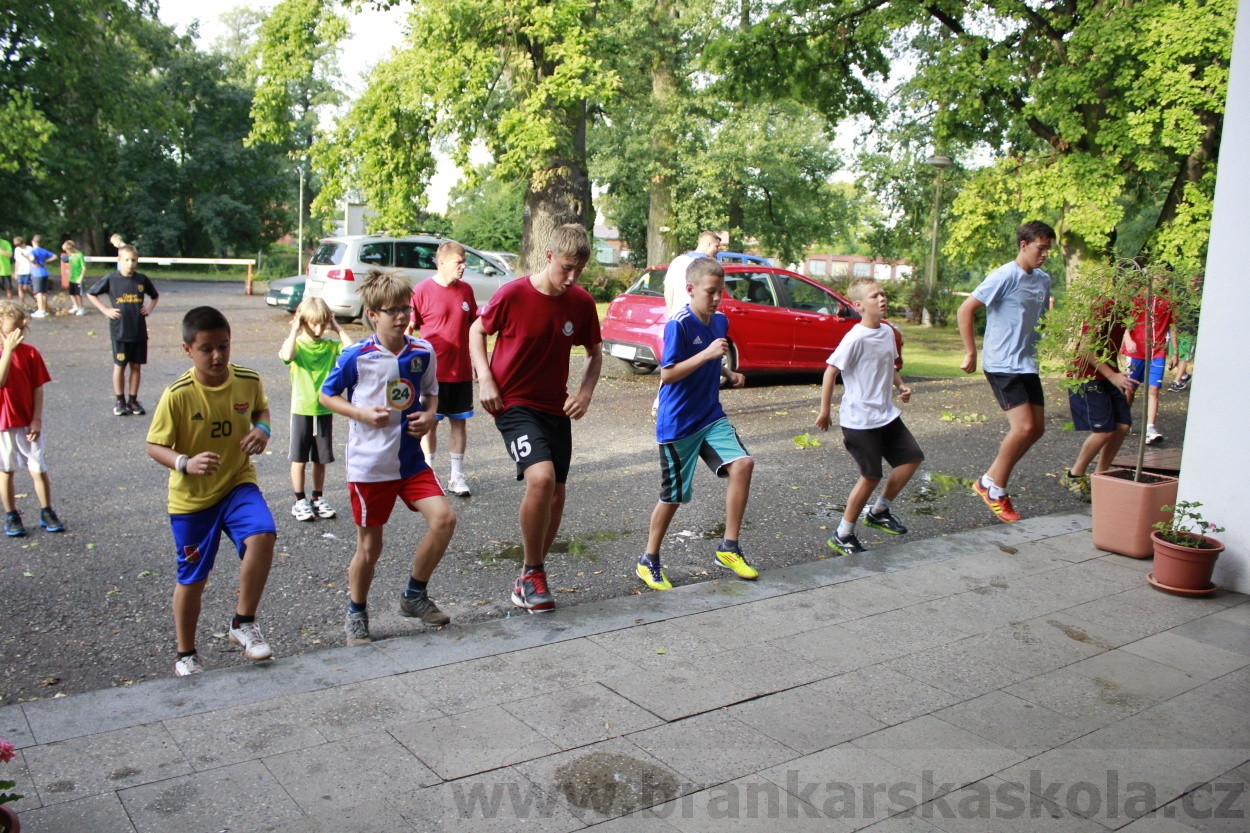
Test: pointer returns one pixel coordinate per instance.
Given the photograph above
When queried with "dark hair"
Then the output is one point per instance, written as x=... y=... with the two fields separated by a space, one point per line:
x=1034 y=230
x=702 y=268
x=202 y=320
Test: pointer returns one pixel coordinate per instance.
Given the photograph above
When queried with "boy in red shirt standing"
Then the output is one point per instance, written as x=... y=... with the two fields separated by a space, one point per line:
x=1135 y=349
x=443 y=309
x=22 y=377
x=524 y=384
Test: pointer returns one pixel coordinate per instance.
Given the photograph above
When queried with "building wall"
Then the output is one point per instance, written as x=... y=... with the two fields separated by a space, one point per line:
x=1216 y=465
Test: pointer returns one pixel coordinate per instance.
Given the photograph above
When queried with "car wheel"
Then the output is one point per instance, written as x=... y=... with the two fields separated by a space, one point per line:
x=637 y=368
x=731 y=358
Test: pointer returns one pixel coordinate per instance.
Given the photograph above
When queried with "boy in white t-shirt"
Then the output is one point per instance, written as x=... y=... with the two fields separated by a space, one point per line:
x=872 y=426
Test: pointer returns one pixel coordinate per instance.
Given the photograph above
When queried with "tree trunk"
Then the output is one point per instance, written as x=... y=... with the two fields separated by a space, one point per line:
x=661 y=237
x=557 y=195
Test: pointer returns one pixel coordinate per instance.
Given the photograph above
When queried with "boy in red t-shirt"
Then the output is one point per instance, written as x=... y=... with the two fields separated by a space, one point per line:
x=524 y=384
x=1135 y=349
x=22 y=377
x=443 y=309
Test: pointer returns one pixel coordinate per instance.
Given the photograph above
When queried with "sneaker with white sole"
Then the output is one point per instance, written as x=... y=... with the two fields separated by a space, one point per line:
x=302 y=510
x=423 y=608
x=80 y=311
x=1153 y=437
x=247 y=636
x=322 y=508
x=530 y=592
x=39 y=313
x=357 y=628
x=136 y=407
x=186 y=666
x=120 y=409
x=458 y=486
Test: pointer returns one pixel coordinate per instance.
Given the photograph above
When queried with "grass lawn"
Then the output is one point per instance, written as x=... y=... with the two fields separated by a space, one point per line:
x=931 y=351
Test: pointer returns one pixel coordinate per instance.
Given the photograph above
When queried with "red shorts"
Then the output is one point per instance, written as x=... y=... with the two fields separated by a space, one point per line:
x=372 y=502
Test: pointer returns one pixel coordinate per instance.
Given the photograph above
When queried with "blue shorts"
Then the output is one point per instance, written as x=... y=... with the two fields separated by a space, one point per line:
x=23 y=280
x=718 y=444
x=241 y=514
x=1137 y=368
x=1098 y=407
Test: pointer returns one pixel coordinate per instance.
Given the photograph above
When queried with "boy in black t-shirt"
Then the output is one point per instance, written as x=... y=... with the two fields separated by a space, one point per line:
x=128 y=327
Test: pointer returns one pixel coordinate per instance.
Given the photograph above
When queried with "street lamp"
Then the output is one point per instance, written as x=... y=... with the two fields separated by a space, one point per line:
x=299 y=247
x=939 y=163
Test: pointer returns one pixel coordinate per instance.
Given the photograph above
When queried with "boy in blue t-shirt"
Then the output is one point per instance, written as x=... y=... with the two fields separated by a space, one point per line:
x=691 y=423
x=39 y=257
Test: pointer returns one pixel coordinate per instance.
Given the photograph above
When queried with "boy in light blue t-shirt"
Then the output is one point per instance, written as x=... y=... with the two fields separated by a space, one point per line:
x=1014 y=297
x=691 y=424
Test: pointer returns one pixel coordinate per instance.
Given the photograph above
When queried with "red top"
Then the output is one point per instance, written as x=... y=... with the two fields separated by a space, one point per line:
x=444 y=314
x=1108 y=334
x=17 y=398
x=530 y=362
x=1162 y=319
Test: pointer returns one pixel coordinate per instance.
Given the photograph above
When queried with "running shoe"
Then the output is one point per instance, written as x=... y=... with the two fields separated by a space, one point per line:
x=13 y=526
x=884 y=522
x=39 y=313
x=424 y=609
x=1181 y=383
x=357 y=627
x=302 y=510
x=120 y=409
x=652 y=574
x=1078 y=486
x=458 y=486
x=186 y=666
x=845 y=546
x=247 y=636
x=736 y=561
x=49 y=521
x=322 y=508
x=1153 y=437
x=135 y=407
x=80 y=311
x=1001 y=507
x=530 y=592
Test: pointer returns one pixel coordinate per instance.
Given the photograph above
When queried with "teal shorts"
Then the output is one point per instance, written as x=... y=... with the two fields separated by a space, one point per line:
x=718 y=444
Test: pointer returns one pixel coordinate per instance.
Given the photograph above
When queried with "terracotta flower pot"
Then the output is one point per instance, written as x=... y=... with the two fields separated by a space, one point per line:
x=1185 y=568
x=8 y=821
x=1125 y=511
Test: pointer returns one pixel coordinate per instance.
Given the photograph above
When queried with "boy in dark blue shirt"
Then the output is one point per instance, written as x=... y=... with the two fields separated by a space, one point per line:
x=691 y=423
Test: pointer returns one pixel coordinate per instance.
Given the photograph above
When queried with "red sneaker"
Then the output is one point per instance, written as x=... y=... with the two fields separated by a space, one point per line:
x=1001 y=507
x=530 y=592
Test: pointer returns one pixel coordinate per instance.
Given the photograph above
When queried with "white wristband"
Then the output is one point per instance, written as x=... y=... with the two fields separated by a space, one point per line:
x=180 y=465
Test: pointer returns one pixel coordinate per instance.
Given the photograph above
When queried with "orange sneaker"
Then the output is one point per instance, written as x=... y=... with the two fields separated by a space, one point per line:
x=1001 y=507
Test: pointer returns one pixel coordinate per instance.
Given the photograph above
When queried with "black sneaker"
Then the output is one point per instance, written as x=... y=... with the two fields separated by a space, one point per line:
x=845 y=546
x=136 y=407
x=884 y=522
x=121 y=409
x=49 y=521
x=13 y=525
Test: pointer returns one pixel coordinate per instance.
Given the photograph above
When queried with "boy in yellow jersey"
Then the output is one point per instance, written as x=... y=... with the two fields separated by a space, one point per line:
x=206 y=425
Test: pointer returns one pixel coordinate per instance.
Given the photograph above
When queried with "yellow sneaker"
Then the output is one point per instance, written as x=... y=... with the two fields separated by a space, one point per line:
x=652 y=574
x=737 y=562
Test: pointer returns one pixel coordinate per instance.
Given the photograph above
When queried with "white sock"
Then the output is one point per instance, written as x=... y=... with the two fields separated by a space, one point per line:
x=996 y=492
x=457 y=462
x=845 y=528
x=1150 y=429
x=882 y=505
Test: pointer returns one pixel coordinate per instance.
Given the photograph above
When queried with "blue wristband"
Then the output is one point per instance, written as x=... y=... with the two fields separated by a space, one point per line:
x=264 y=426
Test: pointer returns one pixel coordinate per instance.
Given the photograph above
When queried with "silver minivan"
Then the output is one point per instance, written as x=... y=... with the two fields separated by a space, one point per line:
x=340 y=264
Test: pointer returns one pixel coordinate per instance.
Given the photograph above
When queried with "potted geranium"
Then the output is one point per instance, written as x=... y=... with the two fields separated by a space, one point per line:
x=1185 y=552
x=8 y=818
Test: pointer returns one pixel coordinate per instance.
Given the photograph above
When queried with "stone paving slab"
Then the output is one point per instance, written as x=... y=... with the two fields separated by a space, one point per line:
x=1011 y=678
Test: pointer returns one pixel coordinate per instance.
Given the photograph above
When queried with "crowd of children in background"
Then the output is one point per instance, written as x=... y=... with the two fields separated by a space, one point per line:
x=417 y=368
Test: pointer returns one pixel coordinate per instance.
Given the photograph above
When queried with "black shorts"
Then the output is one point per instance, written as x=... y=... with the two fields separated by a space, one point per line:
x=535 y=437
x=1012 y=389
x=7 y=283
x=1098 y=407
x=892 y=441
x=75 y=289
x=130 y=352
x=312 y=439
x=39 y=286
x=455 y=400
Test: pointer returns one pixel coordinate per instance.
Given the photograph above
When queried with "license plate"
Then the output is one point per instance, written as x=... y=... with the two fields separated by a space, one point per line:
x=273 y=302
x=315 y=285
x=624 y=351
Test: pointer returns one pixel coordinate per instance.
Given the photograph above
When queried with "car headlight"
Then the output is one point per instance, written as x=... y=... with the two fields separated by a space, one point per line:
x=287 y=290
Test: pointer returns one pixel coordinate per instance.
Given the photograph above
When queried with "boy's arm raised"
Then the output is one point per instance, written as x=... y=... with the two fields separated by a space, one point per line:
x=826 y=397
x=488 y=391
x=287 y=351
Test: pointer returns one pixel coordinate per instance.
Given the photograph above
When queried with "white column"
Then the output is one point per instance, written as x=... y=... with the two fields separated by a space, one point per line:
x=1216 y=465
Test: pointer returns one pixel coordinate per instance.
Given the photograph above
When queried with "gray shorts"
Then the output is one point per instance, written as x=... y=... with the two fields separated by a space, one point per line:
x=312 y=439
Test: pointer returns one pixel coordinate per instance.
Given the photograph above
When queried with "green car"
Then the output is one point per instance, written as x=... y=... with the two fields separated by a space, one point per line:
x=286 y=293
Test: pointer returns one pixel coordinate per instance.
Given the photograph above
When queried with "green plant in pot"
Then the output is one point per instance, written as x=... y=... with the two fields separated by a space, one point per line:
x=1185 y=552
x=1082 y=337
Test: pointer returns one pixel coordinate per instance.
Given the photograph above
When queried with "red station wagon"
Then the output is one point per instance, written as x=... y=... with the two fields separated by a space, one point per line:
x=778 y=321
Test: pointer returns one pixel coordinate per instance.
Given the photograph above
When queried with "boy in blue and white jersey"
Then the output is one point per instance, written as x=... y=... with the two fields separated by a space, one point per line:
x=387 y=386
x=691 y=423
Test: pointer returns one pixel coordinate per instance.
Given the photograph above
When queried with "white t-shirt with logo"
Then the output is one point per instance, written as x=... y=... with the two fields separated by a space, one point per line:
x=866 y=359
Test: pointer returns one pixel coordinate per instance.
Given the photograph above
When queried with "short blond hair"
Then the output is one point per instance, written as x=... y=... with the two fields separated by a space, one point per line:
x=313 y=311
x=68 y=246
x=383 y=288
x=857 y=289
x=702 y=268
x=130 y=249
x=447 y=246
x=570 y=240
x=11 y=312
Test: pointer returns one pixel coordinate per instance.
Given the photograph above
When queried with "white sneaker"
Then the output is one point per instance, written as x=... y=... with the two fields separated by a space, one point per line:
x=186 y=666
x=458 y=486
x=39 y=313
x=322 y=508
x=80 y=311
x=1153 y=436
x=247 y=636
x=302 y=510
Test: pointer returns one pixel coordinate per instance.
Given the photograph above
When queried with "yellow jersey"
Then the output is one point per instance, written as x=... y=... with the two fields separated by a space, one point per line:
x=192 y=418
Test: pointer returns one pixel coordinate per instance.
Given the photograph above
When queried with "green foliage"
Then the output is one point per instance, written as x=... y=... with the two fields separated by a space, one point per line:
x=806 y=441
x=606 y=282
x=485 y=212
x=1185 y=525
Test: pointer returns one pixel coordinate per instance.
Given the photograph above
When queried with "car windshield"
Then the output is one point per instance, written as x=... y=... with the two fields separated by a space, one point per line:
x=650 y=283
x=330 y=253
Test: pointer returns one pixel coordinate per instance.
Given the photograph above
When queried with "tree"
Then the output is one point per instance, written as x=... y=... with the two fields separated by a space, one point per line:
x=486 y=212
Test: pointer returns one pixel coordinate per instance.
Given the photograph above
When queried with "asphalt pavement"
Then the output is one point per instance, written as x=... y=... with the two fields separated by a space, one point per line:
x=90 y=608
